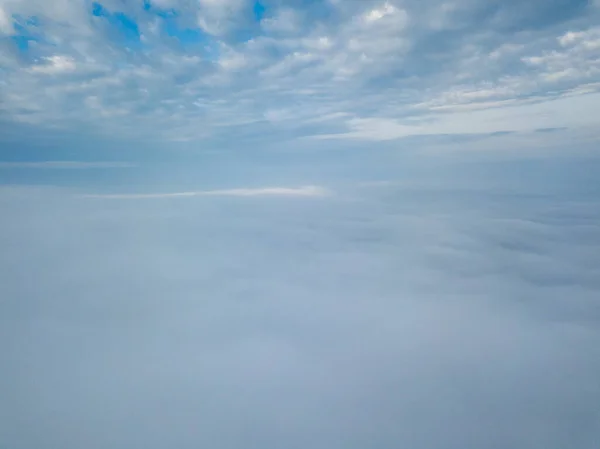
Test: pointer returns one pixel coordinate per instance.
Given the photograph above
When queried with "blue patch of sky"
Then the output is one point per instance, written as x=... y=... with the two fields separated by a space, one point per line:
x=259 y=11
x=319 y=10
x=250 y=29
x=246 y=34
x=191 y=39
x=25 y=31
x=160 y=12
x=32 y=21
x=126 y=27
x=98 y=10
x=187 y=36
x=21 y=42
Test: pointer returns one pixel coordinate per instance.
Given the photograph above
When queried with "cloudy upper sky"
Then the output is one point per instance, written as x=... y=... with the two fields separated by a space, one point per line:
x=324 y=224
x=226 y=72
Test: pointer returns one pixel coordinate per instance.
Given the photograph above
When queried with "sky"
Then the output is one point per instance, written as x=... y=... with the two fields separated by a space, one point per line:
x=325 y=224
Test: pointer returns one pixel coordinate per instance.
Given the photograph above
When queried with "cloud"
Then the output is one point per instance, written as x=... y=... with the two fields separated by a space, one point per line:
x=385 y=11
x=93 y=75
x=512 y=117
x=306 y=191
x=440 y=292
x=399 y=317
x=220 y=17
x=6 y=26
x=55 y=65
x=286 y=21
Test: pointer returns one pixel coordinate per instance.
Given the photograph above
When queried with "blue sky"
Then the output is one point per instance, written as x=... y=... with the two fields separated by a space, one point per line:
x=334 y=224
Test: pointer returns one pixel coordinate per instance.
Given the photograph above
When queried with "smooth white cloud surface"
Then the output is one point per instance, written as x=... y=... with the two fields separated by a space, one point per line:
x=383 y=316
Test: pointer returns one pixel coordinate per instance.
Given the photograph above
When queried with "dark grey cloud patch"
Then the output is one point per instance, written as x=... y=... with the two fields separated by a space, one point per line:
x=386 y=318
x=550 y=130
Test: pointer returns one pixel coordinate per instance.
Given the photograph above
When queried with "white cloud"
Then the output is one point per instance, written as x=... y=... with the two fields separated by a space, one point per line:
x=318 y=43
x=55 y=65
x=506 y=50
x=567 y=111
x=577 y=61
x=232 y=60
x=386 y=10
x=570 y=38
x=218 y=17
x=6 y=26
x=588 y=38
x=414 y=321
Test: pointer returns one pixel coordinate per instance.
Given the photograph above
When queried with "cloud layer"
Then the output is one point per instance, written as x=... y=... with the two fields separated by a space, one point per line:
x=440 y=293
x=198 y=70
x=382 y=317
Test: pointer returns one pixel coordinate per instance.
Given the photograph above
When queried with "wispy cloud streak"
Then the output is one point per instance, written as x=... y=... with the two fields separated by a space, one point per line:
x=305 y=191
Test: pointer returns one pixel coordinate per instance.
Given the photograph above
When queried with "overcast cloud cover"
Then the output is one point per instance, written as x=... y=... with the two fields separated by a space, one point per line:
x=325 y=224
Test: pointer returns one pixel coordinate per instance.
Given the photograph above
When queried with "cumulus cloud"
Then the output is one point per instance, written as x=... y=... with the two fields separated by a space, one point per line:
x=387 y=316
